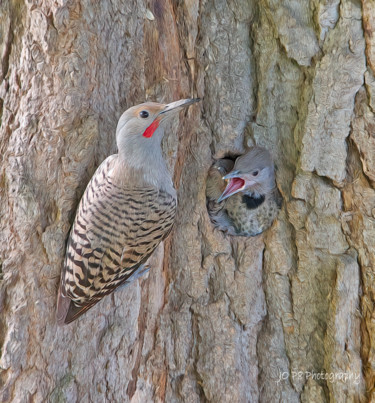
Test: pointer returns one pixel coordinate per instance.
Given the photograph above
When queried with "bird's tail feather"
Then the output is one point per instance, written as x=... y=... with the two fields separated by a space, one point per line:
x=67 y=311
x=74 y=311
x=63 y=303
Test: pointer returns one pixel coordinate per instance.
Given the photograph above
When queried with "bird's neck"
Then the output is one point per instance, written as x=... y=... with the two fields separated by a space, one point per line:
x=143 y=164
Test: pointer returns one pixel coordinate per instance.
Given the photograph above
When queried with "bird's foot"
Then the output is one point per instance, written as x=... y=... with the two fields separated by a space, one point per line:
x=142 y=270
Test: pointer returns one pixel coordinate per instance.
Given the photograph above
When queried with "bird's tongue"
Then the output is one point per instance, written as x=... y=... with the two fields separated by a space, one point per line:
x=233 y=185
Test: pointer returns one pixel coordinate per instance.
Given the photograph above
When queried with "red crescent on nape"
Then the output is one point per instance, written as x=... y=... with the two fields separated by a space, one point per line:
x=151 y=129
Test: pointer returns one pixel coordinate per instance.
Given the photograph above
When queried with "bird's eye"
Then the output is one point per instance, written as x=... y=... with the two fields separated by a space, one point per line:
x=255 y=173
x=143 y=114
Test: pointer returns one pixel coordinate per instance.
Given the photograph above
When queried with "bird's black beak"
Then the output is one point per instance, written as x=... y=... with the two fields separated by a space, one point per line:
x=178 y=105
x=233 y=174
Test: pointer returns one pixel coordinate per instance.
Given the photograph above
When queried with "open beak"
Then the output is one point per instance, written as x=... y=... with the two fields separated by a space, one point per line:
x=178 y=105
x=235 y=185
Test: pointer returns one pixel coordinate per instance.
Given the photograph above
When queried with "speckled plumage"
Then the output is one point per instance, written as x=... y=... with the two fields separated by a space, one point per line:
x=248 y=212
x=115 y=231
x=127 y=209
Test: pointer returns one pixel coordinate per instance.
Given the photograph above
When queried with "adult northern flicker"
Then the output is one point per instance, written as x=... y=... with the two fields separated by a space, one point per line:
x=127 y=209
x=250 y=201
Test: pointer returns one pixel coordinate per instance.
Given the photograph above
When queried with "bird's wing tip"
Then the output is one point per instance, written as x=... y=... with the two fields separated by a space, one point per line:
x=62 y=309
x=67 y=311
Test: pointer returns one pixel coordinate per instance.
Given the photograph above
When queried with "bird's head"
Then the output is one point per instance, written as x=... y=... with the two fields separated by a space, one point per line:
x=142 y=126
x=253 y=173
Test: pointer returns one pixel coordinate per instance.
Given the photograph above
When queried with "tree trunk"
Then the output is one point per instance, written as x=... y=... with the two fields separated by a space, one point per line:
x=284 y=316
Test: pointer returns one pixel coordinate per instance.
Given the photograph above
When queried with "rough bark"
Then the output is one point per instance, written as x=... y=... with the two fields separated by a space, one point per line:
x=218 y=319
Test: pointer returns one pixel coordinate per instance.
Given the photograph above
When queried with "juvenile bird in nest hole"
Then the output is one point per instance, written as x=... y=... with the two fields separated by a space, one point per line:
x=127 y=209
x=242 y=197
